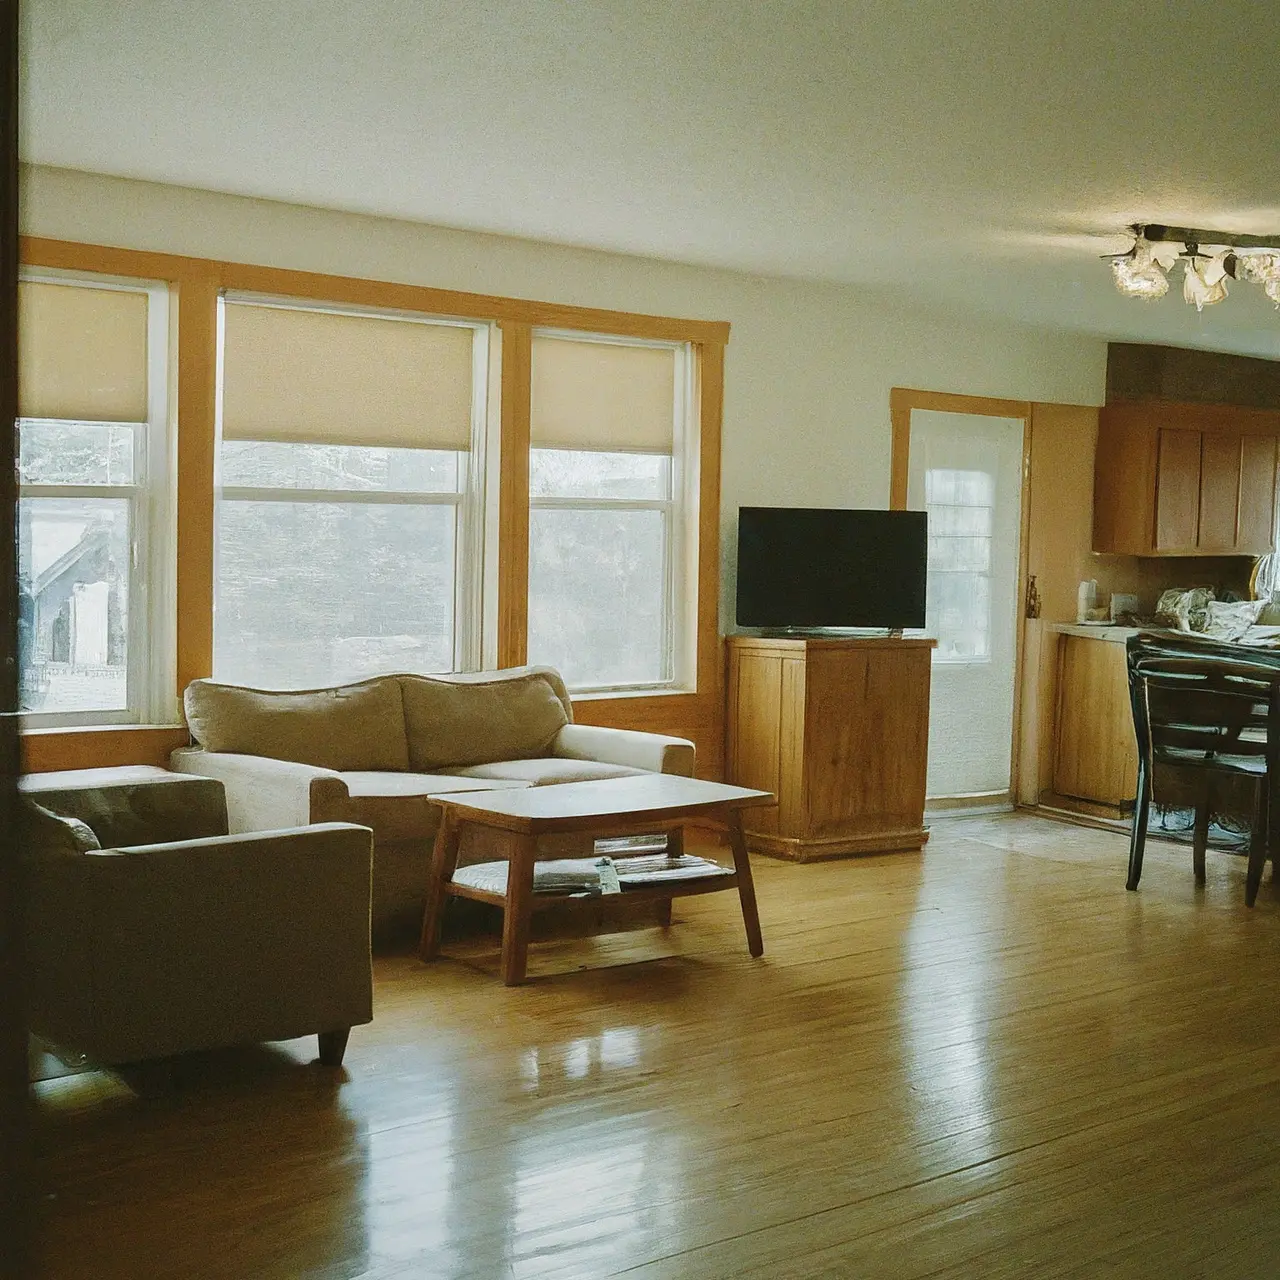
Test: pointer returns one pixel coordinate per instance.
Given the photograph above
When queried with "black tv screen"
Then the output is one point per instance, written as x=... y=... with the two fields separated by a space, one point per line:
x=806 y=567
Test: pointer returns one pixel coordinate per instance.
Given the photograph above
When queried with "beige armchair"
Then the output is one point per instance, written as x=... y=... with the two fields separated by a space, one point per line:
x=142 y=950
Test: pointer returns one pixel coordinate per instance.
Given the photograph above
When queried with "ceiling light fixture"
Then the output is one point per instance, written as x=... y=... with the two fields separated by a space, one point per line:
x=1141 y=272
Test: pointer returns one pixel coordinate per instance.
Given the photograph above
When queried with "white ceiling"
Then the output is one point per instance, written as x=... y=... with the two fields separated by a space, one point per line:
x=975 y=151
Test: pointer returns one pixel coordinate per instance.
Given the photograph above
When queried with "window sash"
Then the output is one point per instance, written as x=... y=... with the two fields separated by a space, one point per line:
x=465 y=572
x=137 y=636
x=668 y=509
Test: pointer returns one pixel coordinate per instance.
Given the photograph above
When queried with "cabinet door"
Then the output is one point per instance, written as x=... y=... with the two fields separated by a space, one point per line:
x=1219 y=491
x=1095 y=752
x=1178 y=490
x=1255 y=532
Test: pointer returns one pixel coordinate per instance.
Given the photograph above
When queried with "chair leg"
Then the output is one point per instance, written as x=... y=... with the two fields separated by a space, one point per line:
x=1200 y=841
x=333 y=1044
x=1138 y=834
x=1259 y=840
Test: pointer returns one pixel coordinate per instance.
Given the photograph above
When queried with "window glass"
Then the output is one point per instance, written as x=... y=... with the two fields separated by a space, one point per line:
x=960 y=504
x=582 y=473
x=270 y=464
x=73 y=604
x=323 y=589
x=597 y=607
x=79 y=453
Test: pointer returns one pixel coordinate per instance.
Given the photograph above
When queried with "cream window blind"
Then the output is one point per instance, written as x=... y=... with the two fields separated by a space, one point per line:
x=82 y=353
x=319 y=377
x=602 y=395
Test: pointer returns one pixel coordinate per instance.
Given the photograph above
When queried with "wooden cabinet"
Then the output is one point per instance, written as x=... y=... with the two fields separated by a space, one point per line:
x=838 y=730
x=1185 y=480
x=1095 y=751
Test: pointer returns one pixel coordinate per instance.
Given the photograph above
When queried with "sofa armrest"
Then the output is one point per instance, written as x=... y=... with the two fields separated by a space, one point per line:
x=265 y=794
x=228 y=940
x=652 y=751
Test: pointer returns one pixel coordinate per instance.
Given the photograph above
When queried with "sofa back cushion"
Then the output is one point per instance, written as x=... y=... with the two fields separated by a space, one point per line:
x=477 y=719
x=353 y=726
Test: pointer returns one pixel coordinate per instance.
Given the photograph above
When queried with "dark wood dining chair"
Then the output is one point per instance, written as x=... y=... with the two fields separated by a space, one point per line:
x=1212 y=709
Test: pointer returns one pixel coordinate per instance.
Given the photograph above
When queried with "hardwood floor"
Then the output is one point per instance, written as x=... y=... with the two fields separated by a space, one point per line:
x=987 y=1060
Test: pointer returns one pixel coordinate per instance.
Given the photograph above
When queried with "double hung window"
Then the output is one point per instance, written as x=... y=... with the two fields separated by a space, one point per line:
x=348 y=519
x=609 y=483
x=95 y=559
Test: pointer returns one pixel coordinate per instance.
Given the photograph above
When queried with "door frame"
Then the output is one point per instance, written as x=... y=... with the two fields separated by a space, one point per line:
x=902 y=400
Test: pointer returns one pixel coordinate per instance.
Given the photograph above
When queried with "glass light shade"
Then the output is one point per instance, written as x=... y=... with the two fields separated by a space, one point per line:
x=1138 y=275
x=1258 y=267
x=1272 y=289
x=1204 y=281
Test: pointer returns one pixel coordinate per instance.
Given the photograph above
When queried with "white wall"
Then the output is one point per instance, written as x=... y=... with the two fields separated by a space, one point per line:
x=808 y=368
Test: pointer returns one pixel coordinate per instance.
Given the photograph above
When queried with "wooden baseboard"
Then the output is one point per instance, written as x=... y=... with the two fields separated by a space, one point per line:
x=1089 y=808
x=794 y=849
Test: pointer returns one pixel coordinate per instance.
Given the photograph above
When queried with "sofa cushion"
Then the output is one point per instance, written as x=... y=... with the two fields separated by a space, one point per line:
x=502 y=716
x=354 y=726
x=395 y=805
x=547 y=771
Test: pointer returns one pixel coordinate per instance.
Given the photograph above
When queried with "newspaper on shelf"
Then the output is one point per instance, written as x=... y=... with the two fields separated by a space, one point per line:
x=584 y=875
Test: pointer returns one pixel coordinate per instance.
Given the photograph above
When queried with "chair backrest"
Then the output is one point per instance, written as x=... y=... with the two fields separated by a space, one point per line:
x=1195 y=701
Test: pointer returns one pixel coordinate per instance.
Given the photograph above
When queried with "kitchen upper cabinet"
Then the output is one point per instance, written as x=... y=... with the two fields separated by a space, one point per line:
x=1185 y=480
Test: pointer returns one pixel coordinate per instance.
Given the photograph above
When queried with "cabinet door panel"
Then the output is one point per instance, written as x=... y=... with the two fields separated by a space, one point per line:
x=1096 y=752
x=1219 y=491
x=1178 y=490
x=1256 y=530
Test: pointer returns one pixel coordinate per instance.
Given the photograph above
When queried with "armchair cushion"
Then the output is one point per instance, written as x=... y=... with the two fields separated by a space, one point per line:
x=132 y=804
x=354 y=726
x=466 y=721
x=46 y=832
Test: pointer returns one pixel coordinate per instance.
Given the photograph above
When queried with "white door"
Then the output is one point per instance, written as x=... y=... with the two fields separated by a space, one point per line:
x=965 y=470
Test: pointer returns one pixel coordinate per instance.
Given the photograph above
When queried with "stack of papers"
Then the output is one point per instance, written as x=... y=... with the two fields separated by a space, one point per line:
x=583 y=875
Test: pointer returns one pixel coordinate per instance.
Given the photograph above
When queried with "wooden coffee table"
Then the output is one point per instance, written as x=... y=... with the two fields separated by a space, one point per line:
x=611 y=807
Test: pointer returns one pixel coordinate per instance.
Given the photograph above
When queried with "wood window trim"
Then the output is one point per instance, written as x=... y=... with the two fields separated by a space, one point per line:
x=698 y=714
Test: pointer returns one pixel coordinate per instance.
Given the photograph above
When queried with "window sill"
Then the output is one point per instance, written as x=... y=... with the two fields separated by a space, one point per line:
x=600 y=695
x=99 y=746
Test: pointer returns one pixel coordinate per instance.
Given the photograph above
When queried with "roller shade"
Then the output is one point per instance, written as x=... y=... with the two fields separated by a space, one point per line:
x=602 y=395
x=316 y=377
x=82 y=353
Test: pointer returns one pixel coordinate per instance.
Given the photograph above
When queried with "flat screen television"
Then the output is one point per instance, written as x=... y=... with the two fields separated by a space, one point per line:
x=810 y=569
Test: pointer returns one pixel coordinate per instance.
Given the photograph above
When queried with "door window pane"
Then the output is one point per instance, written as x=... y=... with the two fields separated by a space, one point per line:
x=73 y=624
x=316 y=593
x=597 y=594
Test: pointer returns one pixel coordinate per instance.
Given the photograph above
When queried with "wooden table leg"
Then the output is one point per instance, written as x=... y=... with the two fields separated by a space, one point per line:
x=746 y=886
x=519 y=907
x=444 y=860
x=675 y=849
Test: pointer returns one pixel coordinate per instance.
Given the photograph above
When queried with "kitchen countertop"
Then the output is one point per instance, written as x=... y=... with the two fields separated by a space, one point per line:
x=1111 y=634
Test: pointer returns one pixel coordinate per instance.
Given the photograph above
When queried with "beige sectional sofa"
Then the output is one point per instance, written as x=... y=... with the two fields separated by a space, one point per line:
x=371 y=753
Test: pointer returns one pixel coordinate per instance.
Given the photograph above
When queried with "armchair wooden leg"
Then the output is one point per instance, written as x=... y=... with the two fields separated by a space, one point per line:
x=333 y=1044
